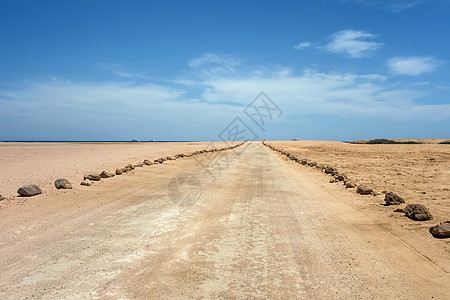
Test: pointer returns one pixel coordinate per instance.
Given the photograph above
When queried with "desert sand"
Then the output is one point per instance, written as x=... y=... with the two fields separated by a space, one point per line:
x=43 y=163
x=263 y=227
x=418 y=173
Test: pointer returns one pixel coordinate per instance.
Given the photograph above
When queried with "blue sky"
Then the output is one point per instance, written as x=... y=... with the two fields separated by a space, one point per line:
x=183 y=70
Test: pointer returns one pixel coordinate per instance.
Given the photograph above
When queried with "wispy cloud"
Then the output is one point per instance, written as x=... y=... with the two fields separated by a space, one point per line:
x=204 y=102
x=390 y=5
x=413 y=65
x=121 y=71
x=354 y=43
x=302 y=45
x=214 y=64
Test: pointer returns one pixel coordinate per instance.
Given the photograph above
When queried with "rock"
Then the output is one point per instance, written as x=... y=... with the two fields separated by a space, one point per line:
x=304 y=161
x=29 y=190
x=399 y=210
x=86 y=183
x=417 y=212
x=106 y=174
x=119 y=172
x=92 y=176
x=148 y=162
x=1 y=198
x=334 y=173
x=159 y=160
x=63 y=184
x=329 y=170
x=393 y=199
x=129 y=167
x=349 y=185
x=442 y=230
x=341 y=177
x=138 y=165
x=364 y=190
x=332 y=181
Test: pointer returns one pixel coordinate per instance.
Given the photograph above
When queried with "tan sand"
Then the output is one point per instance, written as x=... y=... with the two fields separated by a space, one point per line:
x=418 y=173
x=43 y=163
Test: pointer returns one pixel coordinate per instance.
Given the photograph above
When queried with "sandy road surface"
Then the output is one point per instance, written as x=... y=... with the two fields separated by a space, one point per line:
x=262 y=229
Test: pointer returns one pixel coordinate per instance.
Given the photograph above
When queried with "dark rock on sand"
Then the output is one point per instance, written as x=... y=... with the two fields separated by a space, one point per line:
x=29 y=190
x=417 y=212
x=341 y=177
x=304 y=161
x=63 y=184
x=393 y=199
x=349 y=184
x=92 y=176
x=442 y=230
x=148 y=162
x=364 y=190
x=106 y=174
x=159 y=160
x=1 y=198
x=86 y=183
x=329 y=170
x=119 y=172
x=399 y=210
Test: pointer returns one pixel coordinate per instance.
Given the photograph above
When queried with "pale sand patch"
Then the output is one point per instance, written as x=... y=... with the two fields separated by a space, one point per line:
x=43 y=163
x=418 y=173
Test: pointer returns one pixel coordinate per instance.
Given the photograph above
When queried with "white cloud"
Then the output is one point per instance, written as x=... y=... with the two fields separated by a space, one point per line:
x=413 y=65
x=390 y=5
x=303 y=45
x=204 y=102
x=352 y=42
x=121 y=71
x=214 y=64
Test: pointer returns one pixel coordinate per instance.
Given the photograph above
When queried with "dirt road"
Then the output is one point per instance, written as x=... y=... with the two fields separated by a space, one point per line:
x=260 y=228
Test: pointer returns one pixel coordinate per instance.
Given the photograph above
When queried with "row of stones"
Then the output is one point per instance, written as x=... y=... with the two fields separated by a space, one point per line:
x=33 y=190
x=416 y=212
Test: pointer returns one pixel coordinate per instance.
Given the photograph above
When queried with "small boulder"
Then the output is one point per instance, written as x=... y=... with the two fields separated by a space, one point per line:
x=148 y=162
x=86 y=183
x=393 y=199
x=399 y=210
x=92 y=176
x=63 y=184
x=349 y=184
x=119 y=172
x=364 y=190
x=341 y=177
x=129 y=167
x=417 y=212
x=106 y=174
x=1 y=198
x=332 y=180
x=441 y=231
x=159 y=160
x=138 y=165
x=304 y=161
x=29 y=190
x=329 y=170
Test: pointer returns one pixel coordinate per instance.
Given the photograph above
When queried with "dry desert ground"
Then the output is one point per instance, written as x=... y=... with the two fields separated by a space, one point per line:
x=243 y=223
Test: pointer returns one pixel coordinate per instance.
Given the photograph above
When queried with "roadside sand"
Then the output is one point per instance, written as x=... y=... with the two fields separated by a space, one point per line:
x=418 y=173
x=43 y=163
x=265 y=228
